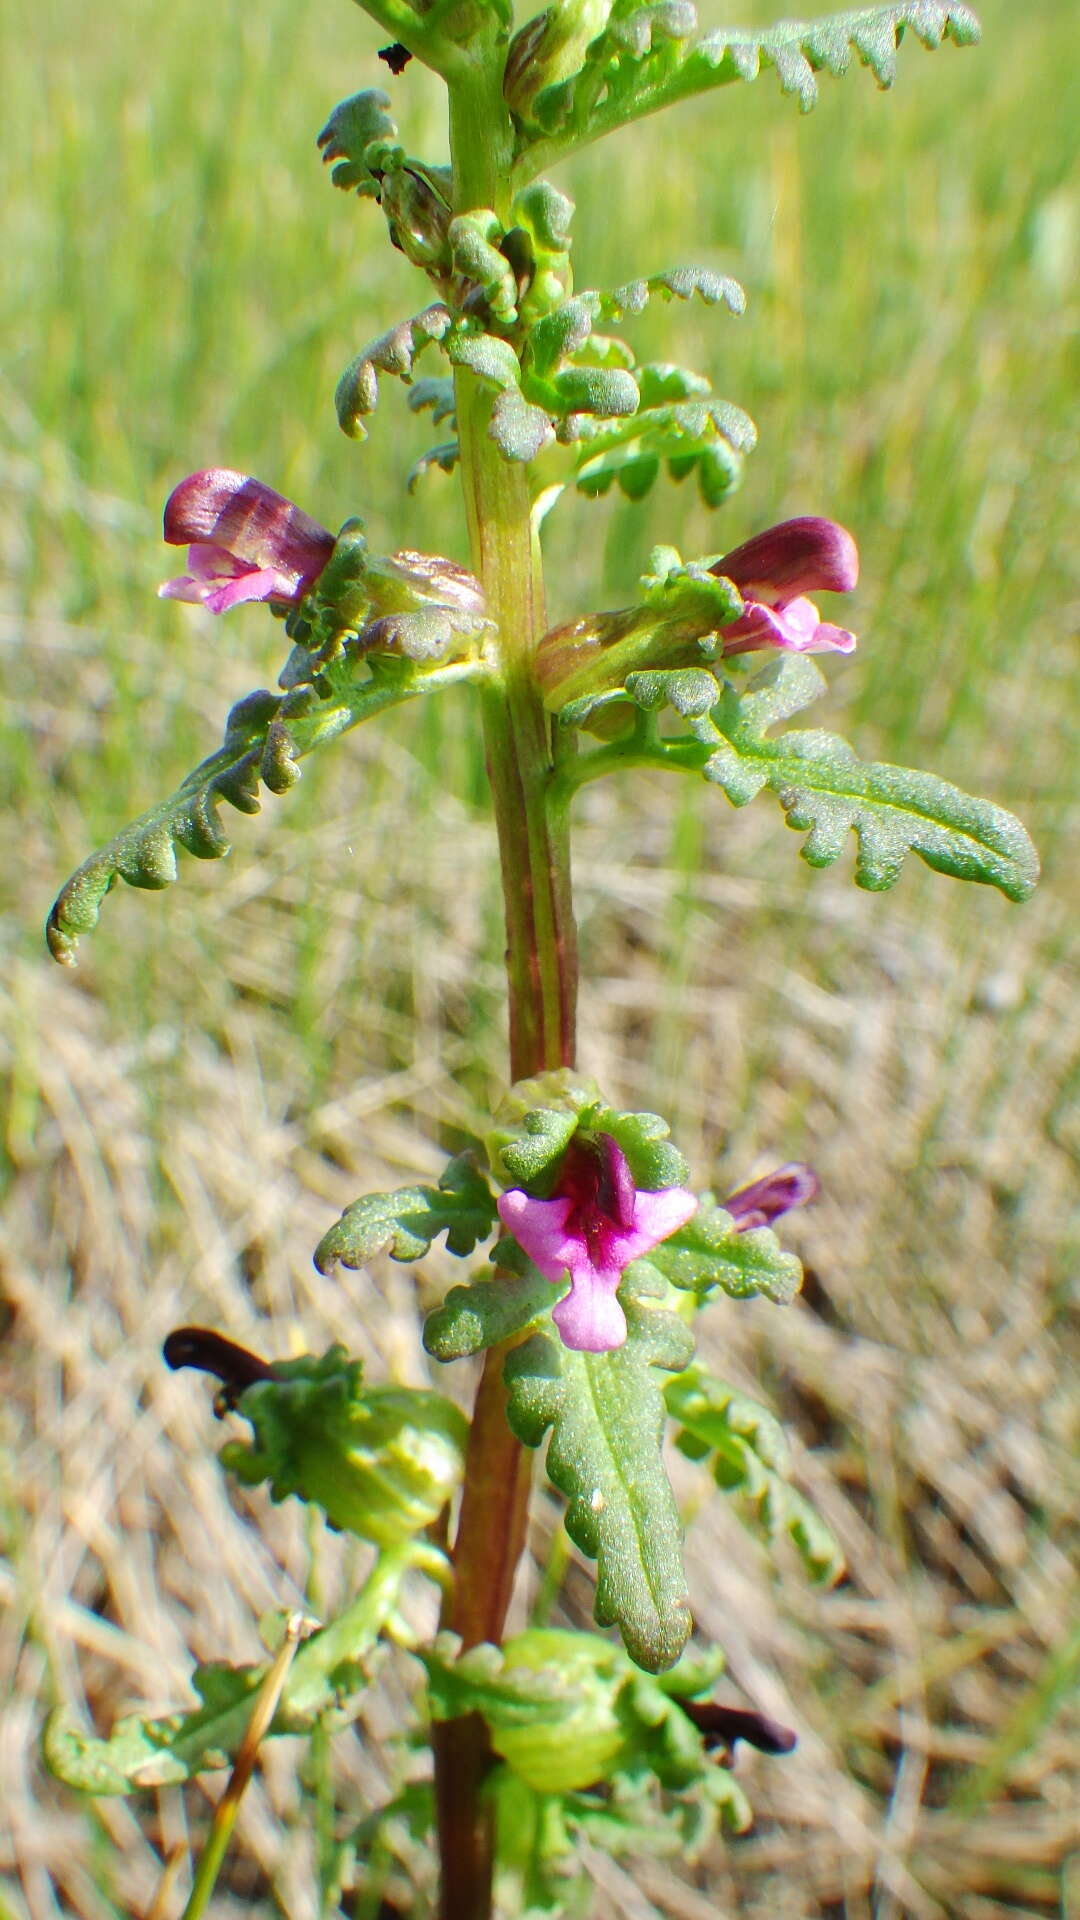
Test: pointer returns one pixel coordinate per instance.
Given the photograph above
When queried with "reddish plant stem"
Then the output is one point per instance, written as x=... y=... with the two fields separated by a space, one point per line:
x=490 y=1541
x=541 y=966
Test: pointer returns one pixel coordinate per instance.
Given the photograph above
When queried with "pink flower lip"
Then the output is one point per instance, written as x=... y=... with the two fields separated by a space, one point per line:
x=592 y=1227
x=774 y=571
x=245 y=541
x=764 y=1200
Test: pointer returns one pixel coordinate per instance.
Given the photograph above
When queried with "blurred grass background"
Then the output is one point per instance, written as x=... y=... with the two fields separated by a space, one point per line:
x=237 y=1058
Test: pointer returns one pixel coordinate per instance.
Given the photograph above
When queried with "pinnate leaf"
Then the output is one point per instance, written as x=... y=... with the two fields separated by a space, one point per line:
x=606 y=1415
x=677 y=283
x=826 y=791
x=444 y=457
x=631 y=69
x=693 y=435
x=436 y=392
x=266 y=735
x=141 y=1752
x=394 y=352
x=747 y=1454
x=404 y=1223
x=327 y=1675
x=710 y=1251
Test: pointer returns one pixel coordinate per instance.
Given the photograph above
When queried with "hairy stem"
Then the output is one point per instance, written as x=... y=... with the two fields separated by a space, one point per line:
x=541 y=968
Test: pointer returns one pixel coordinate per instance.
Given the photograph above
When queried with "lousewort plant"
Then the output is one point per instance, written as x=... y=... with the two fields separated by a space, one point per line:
x=602 y=1254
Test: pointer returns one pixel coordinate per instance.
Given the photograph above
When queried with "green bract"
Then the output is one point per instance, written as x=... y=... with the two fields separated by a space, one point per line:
x=381 y=1462
x=404 y=1223
x=825 y=790
x=536 y=1121
x=570 y=1710
x=606 y=1416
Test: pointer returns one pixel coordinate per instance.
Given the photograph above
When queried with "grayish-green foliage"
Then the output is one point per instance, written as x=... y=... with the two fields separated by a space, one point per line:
x=404 y=1223
x=486 y=1312
x=649 y=57
x=328 y=1676
x=606 y=1415
x=266 y=735
x=747 y=1454
x=825 y=790
x=710 y=1251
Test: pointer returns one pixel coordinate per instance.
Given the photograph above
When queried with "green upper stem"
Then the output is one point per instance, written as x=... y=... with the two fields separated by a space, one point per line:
x=541 y=958
x=541 y=964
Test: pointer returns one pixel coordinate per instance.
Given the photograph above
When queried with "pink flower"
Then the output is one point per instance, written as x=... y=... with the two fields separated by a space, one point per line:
x=772 y=572
x=595 y=1223
x=764 y=1200
x=245 y=542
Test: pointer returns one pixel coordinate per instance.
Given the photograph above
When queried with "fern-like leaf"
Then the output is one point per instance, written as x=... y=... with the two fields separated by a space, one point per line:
x=748 y=1455
x=622 y=78
x=827 y=792
x=327 y=1676
x=394 y=352
x=710 y=1251
x=695 y=434
x=266 y=735
x=404 y=1223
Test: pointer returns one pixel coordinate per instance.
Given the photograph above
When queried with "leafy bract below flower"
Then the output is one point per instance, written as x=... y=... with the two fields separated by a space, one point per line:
x=764 y=1200
x=591 y=1228
x=244 y=541
x=773 y=572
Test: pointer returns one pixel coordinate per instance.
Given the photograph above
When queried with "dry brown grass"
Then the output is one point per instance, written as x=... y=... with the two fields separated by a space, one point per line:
x=179 y=1164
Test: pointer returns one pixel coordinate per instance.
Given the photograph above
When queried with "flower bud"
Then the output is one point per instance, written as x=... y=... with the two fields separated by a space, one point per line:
x=418 y=215
x=551 y=48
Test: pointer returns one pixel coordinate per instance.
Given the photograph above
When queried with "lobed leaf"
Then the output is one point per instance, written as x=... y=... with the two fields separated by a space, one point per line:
x=630 y=69
x=487 y=1680
x=266 y=735
x=527 y=1143
x=826 y=791
x=404 y=1223
x=710 y=1251
x=438 y=394
x=382 y=1462
x=354 y=126
x=527 y=1146
x=141 y=1752
x=444 y=457
x=677 y=283
x=747 y=1454
x=693 y=435
x=606 y=1415
x=395 y=351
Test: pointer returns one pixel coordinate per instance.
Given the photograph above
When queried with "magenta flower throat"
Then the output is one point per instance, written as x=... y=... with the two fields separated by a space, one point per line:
x=593 y=1225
